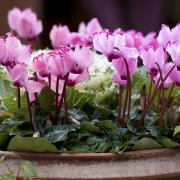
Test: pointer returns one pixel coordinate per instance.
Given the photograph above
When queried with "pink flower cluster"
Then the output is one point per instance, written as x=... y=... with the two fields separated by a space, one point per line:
x=61 y=34
x=155 y=52
x=120 y=47
x=59 y=63
x=15 y=57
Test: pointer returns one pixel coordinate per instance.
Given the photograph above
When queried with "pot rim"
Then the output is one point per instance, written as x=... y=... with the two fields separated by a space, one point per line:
x=91 y=156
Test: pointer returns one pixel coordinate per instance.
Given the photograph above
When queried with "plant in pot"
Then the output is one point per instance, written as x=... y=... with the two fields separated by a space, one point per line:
x=96 y=94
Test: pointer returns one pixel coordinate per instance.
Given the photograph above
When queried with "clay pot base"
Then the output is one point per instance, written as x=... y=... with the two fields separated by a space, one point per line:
x=161 y=164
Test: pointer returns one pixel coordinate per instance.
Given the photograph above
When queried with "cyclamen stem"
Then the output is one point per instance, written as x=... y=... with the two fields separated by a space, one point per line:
x=162 y=87
x=63 y=93
x=65 y=105
x=128 y=92
x=164 y=106
x=120 y=103
x=129 y=103
x=159 y=100
x=150 y=89
x=49 y=96
x=141 y=122
x=161 y=90
x=19 y=97
x=125 y=104
x=57 y=97
x=29 y=109
x=36 y=94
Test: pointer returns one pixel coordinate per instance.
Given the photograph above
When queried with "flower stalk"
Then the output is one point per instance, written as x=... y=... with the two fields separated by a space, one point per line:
x=19 y=97
x=141 y=122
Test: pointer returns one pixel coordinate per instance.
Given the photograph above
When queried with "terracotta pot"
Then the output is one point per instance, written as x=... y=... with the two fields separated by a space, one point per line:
x=161 y=164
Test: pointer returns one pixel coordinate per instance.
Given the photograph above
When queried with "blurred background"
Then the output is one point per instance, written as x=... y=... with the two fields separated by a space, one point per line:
x=141 y=15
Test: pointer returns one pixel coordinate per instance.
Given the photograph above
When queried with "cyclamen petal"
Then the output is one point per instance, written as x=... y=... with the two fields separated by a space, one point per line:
x=174 y=51
x=41 y=64
x=59 y=35
x=120 y=66
x=76 y=78
x=3 y=53
x=118 y=80
x=168 y=36
x=19 y=75
x=60 y=65
x=165 y=35
x=33 y=86
x=153 y=57
x=93 y=26
x=13 y=17
x=82 y=58
x=175 y=76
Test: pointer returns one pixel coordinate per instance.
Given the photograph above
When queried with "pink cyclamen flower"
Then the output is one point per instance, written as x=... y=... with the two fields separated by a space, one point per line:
x=93 y=26
x=113 y=46
x=174 y=51
x=85 y=33
x=82 y=58
x=118 y=80
x=60 y=64
x=137 y=40
x=33 y=87
x=175 y=76
x=25 y=23
x=153 y=57
x=41 y=64
x=19 y=75
x=105 y=42
x=59 y=35
x=76 y=78
x=15 y=52
x=169 y=36
x=120 y=66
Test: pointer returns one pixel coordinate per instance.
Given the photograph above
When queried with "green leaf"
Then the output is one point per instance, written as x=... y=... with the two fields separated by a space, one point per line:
x=31 y=144
x=8 y=176
x=28 y=170
x=89 y=127
x=75 y=146
x=11 y=103
x=15 y=120
x=98 y=143
x=176 y=130
x=101 y=113
x=78 y=99
x=166 y=142
x=43 y=98
x=40 y=119
x=122 y=139
x=106 y=124
x=146 y=143
x=5 y=88
x=107 y=100
x=76 y=114
x=139 y=79
x=4 y=139
x=58 y=133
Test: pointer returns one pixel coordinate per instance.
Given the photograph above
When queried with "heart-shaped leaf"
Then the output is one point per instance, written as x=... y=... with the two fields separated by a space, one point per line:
x=31 y=144
x=58 y=133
